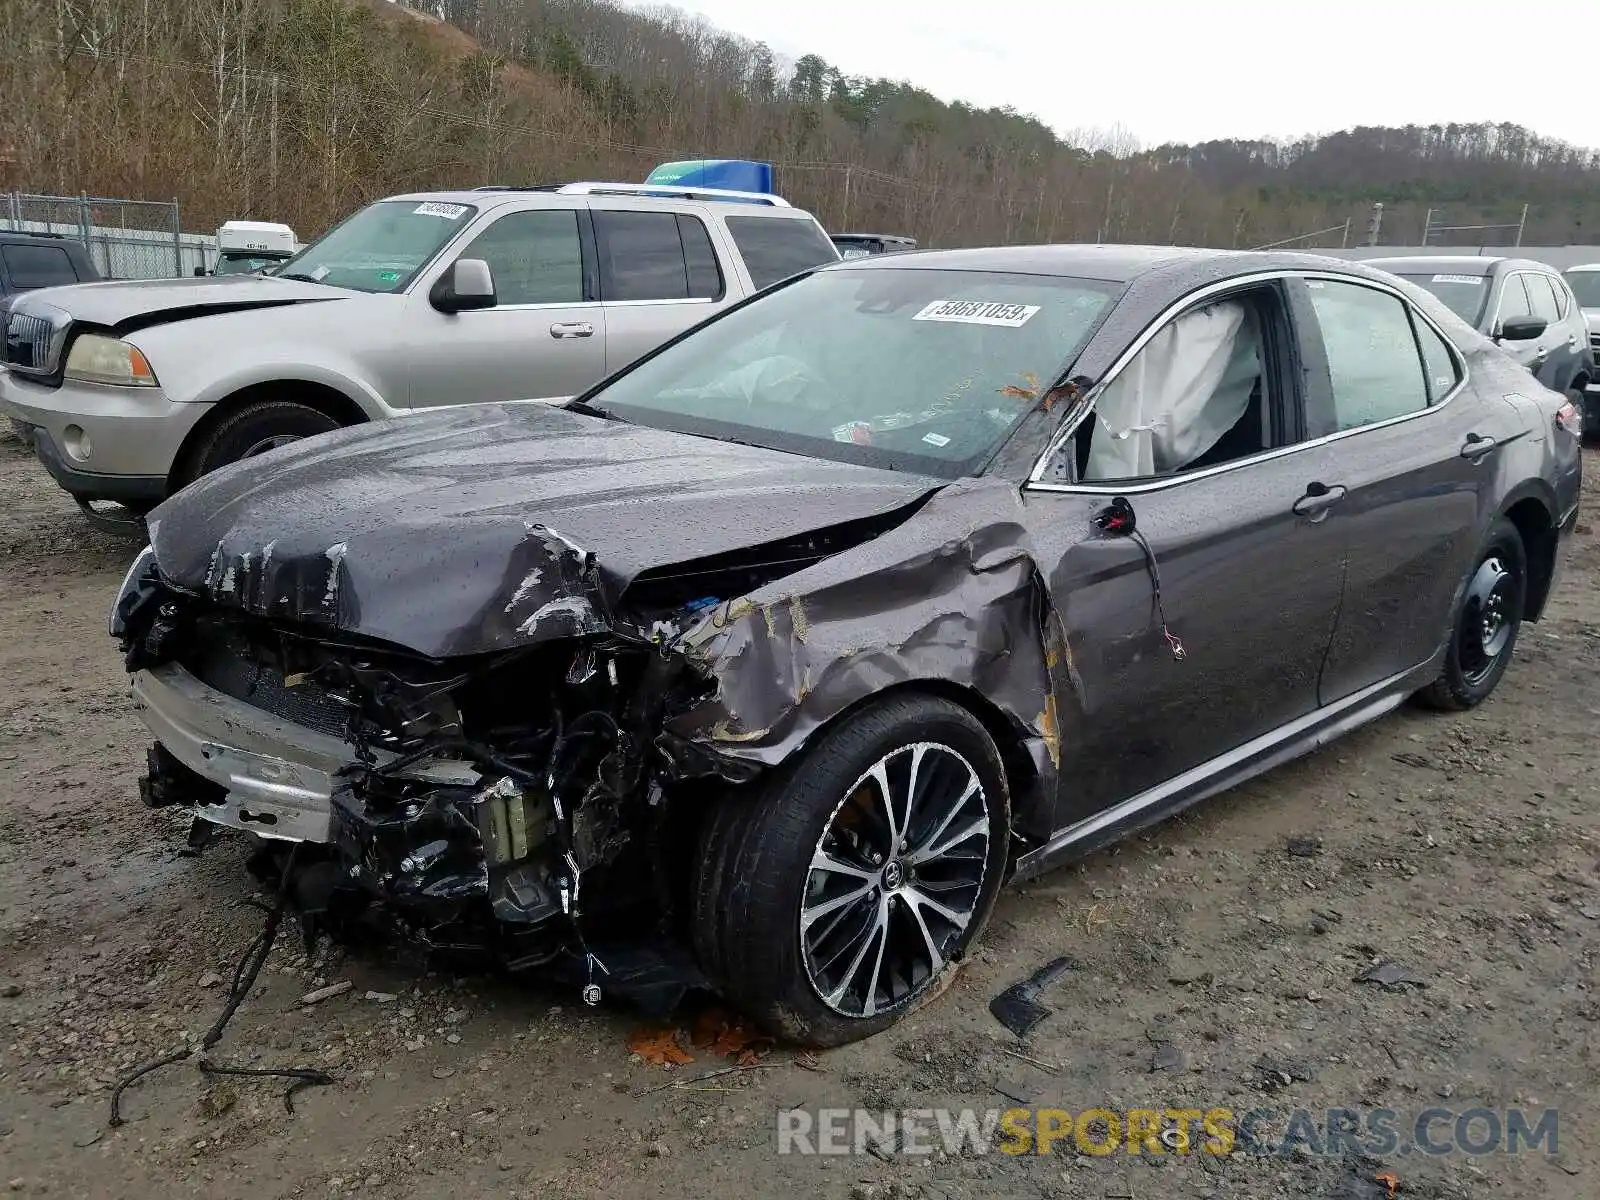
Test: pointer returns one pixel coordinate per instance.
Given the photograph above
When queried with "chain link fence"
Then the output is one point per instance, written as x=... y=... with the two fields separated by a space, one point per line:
x=125 y=239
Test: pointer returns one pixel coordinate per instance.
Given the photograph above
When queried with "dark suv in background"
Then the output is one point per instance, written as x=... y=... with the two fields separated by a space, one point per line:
x=1523 y=305
x=36 y=260
x=29 y=261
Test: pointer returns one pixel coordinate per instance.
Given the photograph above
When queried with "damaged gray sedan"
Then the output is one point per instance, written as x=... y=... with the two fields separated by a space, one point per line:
x=761 y=666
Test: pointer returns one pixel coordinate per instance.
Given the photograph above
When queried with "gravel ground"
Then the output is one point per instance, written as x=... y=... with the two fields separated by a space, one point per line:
x=1215 y=964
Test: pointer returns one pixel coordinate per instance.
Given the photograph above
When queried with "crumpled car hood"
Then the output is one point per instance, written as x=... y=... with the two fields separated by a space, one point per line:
x=479 y=528
x=136 y=303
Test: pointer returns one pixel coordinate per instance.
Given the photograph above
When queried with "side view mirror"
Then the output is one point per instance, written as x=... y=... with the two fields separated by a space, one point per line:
x=465 y=286
x=1522 y=329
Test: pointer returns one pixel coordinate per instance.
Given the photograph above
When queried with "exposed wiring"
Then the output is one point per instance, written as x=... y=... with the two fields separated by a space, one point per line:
x=244 y=978
x=1173 y=642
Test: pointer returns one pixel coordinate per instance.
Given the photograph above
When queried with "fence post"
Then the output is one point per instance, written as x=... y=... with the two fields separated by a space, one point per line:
x=1427 y=226
x=1522 y=224
x=84 y=223
x=177 y=241
x=1344 y=238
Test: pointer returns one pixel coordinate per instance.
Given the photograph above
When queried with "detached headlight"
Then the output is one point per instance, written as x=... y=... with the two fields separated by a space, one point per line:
x=97 y=359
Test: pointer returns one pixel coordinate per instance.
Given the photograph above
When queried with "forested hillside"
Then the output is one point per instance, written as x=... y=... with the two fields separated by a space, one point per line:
x=300 y=110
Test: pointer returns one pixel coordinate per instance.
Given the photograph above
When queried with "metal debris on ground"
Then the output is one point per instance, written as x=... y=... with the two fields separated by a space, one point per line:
x=1391 y=976
x=1018 y=1007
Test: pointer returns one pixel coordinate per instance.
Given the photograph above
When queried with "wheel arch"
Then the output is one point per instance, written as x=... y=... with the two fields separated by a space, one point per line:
x=323 y=397
x=1024 y=781
x=1530 y=509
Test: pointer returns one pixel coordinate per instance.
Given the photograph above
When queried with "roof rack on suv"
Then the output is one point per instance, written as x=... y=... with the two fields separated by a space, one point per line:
x=641 y=189
x=677 y=193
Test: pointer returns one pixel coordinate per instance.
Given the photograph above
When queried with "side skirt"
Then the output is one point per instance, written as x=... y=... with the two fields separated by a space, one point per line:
x=1255 y=757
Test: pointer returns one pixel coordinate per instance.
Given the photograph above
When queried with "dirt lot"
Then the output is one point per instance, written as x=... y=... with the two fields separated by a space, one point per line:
x=1216 y=964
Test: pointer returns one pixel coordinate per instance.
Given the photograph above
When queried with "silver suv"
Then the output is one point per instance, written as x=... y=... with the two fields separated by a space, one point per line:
x=128 y=391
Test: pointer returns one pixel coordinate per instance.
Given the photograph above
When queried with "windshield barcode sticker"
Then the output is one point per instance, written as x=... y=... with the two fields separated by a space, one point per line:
x=436 y=208
x=978 y=312
x=1472 y=280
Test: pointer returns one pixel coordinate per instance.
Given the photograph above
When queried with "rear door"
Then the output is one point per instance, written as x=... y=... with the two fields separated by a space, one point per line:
x=543 y=339
x=658 y=275
x=1412 y=449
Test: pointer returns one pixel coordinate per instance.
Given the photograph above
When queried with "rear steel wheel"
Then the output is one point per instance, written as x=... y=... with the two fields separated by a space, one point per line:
x=1487 y=620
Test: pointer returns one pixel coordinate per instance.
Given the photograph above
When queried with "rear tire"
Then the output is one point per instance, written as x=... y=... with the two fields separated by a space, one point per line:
x=255 y=429
x=825 y=955
x=1487 y=621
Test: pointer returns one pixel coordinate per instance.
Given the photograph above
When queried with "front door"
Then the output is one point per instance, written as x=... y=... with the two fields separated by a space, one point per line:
x=545 y=338
x=1215 y=635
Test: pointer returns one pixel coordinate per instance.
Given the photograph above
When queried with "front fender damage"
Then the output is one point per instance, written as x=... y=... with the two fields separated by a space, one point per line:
x=967 y=612
x=540 y=799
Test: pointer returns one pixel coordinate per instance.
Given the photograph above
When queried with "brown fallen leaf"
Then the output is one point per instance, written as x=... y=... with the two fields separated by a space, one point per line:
x=1390 y=1181
x=659 y=1047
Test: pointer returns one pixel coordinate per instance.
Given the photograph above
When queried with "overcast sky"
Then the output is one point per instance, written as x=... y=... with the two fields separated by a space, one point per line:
x=1170 y=70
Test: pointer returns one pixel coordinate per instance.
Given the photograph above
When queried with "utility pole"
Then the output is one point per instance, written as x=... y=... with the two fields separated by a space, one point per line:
x=845 y=219
x=1375 y=223
x=272 y=143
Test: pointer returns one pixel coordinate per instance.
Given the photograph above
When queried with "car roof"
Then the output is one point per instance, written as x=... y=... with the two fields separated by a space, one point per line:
x=1104 y=263
x=491 y=197
x=39 y=239
x=1458 y=264
x=1585 y=267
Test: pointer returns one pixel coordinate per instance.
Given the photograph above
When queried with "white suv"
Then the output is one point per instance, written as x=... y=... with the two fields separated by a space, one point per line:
x=128 y=391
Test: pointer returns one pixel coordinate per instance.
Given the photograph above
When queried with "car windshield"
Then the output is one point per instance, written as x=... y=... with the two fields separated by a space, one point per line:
x=1464 y=294
x=247 y=265
x=1586 y=287
x=915 y=370
x=382 y=247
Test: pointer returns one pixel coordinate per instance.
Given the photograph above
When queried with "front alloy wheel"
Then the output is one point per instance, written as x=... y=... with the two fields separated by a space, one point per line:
x=838 y=900
x=895 y=880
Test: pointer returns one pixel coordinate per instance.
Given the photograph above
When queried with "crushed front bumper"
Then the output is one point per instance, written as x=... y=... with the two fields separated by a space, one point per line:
x=278 y=777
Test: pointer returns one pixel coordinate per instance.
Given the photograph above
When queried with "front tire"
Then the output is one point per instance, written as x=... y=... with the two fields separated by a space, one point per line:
x=836 y=902
x=255 y=429
x=1486 y=625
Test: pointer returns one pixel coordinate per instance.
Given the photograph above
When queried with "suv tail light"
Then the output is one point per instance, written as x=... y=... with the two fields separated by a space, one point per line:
x=1570 y=419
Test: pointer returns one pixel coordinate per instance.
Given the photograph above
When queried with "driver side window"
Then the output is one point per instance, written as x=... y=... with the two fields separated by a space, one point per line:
x=1199 y=393
x=534 y=257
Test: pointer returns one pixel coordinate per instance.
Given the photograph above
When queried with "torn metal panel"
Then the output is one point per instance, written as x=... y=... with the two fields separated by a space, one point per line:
x=952 y=596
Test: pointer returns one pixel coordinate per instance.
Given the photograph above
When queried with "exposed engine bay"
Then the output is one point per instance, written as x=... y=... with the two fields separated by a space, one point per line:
x=527 y=805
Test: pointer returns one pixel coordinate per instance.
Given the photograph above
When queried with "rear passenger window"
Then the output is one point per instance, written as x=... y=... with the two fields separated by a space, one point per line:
x=641 y=256
x=1373 y=360
x=705 y=276
x=1440 y=364
x=775 y=248
x=38 y=266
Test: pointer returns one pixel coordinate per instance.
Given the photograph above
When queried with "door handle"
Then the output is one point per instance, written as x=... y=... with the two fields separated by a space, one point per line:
x=571 y=329
x=1319 y=498
x=1476 y=446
